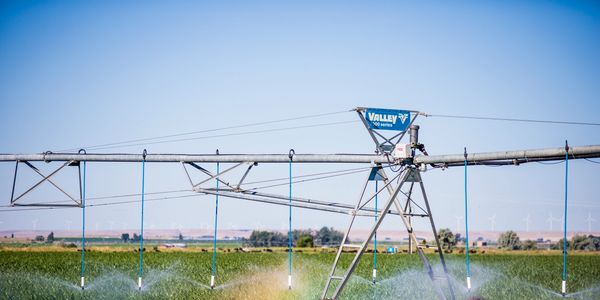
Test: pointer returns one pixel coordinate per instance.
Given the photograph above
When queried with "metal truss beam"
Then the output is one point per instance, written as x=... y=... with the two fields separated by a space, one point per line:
x=45 y=178
x=507 y=157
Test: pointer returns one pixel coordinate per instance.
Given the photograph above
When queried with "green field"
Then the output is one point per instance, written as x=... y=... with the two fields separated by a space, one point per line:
x=186 y=275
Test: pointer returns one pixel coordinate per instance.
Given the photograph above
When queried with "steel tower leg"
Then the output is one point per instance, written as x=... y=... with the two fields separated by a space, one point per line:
x=362 y=247
x=408 y=175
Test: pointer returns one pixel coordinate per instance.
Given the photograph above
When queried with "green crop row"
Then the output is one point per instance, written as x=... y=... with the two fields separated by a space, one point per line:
x=184 y=275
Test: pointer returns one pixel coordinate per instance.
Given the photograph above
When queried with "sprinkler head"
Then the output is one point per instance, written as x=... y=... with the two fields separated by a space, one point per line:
x=468 y=283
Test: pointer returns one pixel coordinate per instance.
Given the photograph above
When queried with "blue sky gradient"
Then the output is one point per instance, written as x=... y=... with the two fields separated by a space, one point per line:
x=80 y=73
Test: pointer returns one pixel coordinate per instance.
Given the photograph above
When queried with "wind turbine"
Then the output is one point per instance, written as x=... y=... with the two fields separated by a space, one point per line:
x=111 y=223
x=493 y=221
x=551 y=220
x=458 y=219
x=527 y=222
x=589 y=220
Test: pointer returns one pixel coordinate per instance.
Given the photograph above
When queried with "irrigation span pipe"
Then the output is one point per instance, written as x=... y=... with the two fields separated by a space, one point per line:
x=517 y=156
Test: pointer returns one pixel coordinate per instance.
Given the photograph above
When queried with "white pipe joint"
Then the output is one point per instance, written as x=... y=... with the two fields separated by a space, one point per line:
x=469 y=283
x=290 y=282
x=564 y=287
x=82 y=282
x=140 y=283
x=212 y=281
x=374 y=275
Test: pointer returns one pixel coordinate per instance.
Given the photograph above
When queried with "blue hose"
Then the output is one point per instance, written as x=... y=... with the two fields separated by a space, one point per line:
x=467 y=220
x=214 y=258
x=142 y=216
x=83 y=224
x=564 y=274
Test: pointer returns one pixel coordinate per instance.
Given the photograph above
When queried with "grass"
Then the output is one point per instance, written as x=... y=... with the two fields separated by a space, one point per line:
x=186 y=275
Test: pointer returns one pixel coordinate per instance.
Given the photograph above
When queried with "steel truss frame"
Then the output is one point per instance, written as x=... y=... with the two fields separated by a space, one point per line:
x=410 y=173
x=46 y=178
x=237 y=192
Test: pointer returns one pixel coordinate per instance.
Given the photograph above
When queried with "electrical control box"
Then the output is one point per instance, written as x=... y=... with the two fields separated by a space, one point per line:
x=402 y=151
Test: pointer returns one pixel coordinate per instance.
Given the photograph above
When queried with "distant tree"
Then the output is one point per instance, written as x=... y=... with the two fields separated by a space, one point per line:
x=39 y=238
x=12 y=235
x=509 y=240
x=329 y=236
x=581 y=242
x=447 y=238
x=595 y=242
x=260 y=238
x=458 y=238
x=50 y=238
x=180 y=237
x=125 y=237
x=529 y=245
x=305 y=240
x=296 y=234
x=136 y=238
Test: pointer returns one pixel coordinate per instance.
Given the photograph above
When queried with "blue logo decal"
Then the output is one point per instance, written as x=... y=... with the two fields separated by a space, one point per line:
x=387 y=119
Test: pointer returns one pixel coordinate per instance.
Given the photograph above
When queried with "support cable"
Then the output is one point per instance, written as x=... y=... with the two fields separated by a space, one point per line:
x=514 y=120
x=467 y=228
x=290 y=237
x=116 y=144
x=142 y=222
x=214 y=257
x=83 y=224
x=564 y=273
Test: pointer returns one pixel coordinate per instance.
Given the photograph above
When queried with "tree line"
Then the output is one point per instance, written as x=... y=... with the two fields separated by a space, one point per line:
x=509 y=240
x=300 y=238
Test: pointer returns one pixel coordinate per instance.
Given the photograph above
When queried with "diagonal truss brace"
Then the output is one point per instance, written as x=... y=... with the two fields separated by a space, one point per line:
x=237 y=192
x=77 y=201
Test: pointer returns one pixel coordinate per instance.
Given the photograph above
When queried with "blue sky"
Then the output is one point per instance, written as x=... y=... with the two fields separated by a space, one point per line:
x=78 y=73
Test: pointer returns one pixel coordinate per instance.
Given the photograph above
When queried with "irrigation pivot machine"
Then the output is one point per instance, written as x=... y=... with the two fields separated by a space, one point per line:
x=395 y=169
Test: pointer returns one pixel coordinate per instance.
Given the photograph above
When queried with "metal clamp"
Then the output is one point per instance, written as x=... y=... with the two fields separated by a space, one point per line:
x=217 y=151
x=291 y=154
x=46 y=153
x=144 y=154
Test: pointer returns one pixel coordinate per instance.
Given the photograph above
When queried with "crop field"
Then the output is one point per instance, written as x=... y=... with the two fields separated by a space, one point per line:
x=184 y=275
